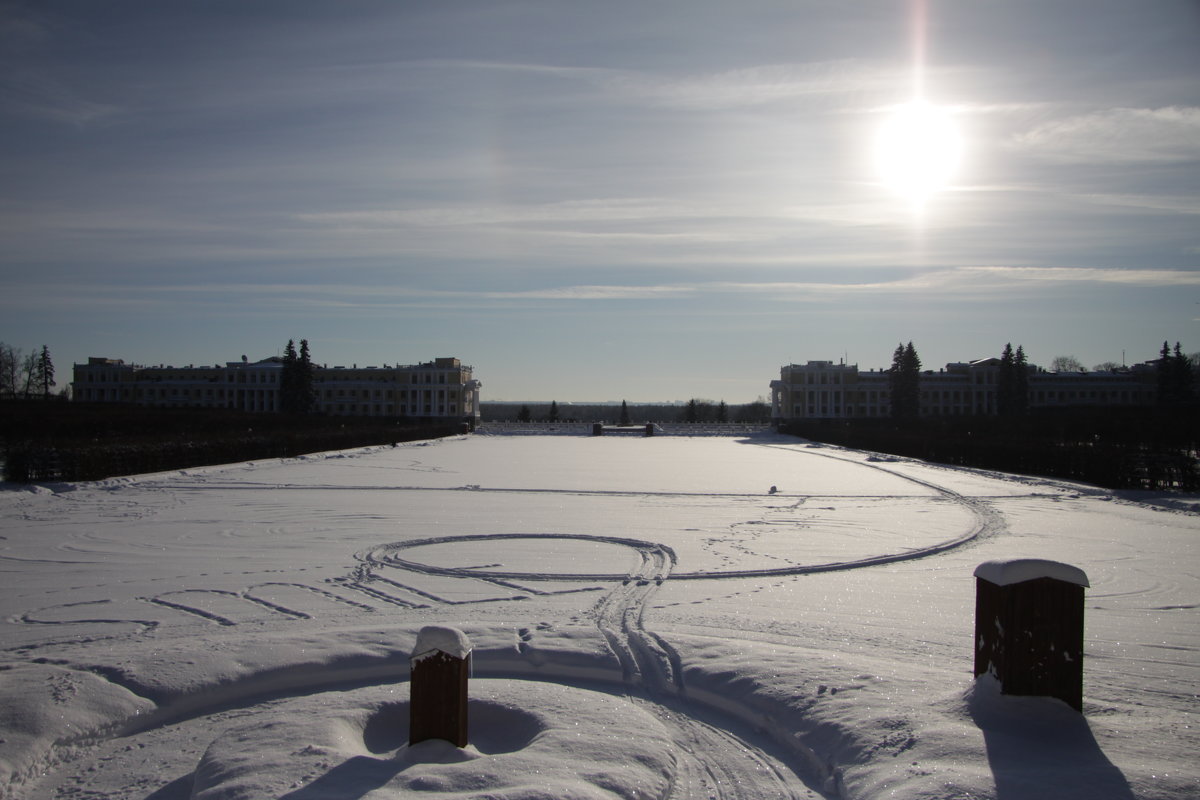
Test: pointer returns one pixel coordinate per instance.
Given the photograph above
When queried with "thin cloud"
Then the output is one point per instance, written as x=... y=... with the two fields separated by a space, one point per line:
x=266 y=298
x=1173 y=203
x=1118 y=135
x=751 y=86
x=28 y=94
x=1129 y=277
x=619 y=209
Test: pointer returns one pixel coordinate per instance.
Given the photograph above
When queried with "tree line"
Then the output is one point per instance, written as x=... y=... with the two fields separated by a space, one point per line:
x=26 y=376
x=1118 y=447
x=696 y=410
x=1175 y=373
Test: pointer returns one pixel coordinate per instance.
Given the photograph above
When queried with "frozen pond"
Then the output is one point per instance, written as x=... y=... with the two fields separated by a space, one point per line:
x=794 y=621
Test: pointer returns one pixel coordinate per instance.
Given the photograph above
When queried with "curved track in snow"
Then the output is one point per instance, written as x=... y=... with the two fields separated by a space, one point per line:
x=716 y=761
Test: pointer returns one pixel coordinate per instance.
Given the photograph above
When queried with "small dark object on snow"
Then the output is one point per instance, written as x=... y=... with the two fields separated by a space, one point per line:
x=441 y=664
x=1029 y=627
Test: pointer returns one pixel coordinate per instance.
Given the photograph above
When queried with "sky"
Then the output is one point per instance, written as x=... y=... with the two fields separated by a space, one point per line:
x=586 y=201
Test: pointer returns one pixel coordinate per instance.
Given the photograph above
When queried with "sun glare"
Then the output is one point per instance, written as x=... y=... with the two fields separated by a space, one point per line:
x=917 y=151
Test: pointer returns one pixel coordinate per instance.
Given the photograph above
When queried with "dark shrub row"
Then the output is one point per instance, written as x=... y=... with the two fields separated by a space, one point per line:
x=67 y=442
x=1146 y=448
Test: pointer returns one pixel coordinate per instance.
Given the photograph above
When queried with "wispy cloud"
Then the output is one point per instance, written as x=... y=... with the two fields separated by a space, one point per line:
x=263 y=297
x=1178 y=204
x=1128 y=277
x=735 y=88
x=26 y=93
x=752 y=86
x=1120 y=135
x=469 y=215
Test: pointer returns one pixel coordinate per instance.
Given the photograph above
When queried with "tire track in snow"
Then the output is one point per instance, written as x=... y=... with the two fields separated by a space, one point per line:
x=714 y=762
x=718 y=762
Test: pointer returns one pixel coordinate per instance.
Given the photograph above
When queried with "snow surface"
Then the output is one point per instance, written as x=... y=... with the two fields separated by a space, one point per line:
x=441 y=638
x=647 y=620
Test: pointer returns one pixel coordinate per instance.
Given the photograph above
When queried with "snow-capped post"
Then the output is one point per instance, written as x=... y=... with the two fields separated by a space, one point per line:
x=1029 y=627
x=441 y=665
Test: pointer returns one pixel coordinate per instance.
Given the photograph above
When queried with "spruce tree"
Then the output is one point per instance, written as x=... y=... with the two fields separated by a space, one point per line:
x=1021 y=384
x=912 y=380
x=1012 y=383
x=722 y=412
x=524 y=415
x=45 y=372
x=1181 y=375
x=553 y=416
x=896 y=382
x=904 y=379
x=289 y=380
x=624 y=413
x=1163 y=371
x=1006 y=380
x=306 y=398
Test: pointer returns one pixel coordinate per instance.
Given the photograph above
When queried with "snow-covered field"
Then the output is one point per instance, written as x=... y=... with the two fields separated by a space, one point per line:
x=649 y=620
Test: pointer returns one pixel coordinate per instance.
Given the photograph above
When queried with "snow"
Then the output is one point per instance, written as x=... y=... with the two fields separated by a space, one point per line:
x=441 y=638
x=645 y=619
x=1007 y=571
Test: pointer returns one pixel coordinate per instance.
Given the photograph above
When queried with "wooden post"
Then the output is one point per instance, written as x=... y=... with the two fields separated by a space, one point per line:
x=597 y=429
x=441 y=665
x=649 y=428
x=1029 y=627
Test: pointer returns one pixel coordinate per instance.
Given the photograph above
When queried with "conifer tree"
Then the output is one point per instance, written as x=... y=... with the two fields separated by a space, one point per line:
x=306 y=398
x=1021 y=386
x=722 y=412
x=1162 y=370
x=296 y=394
x=288 y=383
x=43 y=373
x=1181 y=375
x=524 y=415
x=1006 y=380
x=904 y=379
x=1174 y=372
x=553 y=416
x=624 y=413
x=1012 y=383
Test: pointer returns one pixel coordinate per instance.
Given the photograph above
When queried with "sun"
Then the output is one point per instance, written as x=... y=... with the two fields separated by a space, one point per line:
x=917 y=150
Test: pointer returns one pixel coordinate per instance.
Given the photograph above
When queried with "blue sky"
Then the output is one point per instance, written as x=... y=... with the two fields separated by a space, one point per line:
x=590 y=201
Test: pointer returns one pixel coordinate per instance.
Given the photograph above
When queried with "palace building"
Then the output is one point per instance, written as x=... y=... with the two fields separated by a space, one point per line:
x=440 y=389
x=824 y=390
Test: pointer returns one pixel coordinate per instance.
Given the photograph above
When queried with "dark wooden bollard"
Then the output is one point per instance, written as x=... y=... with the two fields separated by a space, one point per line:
x=1029 y=627
x=441 y=665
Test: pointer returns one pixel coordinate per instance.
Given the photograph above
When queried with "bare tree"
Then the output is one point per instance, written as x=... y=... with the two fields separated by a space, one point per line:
x=1066 y=364
x=29 y=374
x=10 y=368
x=758 y=411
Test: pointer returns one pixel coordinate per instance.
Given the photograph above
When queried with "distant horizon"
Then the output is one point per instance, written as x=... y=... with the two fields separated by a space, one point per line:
x=485 y=398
